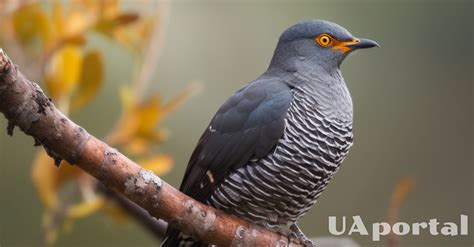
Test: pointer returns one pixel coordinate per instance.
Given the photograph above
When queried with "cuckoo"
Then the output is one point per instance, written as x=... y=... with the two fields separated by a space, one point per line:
x=272 y=147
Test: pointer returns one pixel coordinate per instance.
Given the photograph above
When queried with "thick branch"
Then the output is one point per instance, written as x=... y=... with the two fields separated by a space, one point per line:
x=24 y=105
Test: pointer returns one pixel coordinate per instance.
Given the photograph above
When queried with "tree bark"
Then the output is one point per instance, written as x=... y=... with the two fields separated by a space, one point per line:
x=24 y=105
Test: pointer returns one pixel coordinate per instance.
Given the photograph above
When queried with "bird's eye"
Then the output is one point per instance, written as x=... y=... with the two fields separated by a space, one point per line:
x=324 y=40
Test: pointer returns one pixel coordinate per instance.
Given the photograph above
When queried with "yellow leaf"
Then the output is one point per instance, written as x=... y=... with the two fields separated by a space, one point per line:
x=137 y=128
x=30 y=22
x=63 y=71
x=111 y=17
x=78 y=40
x=183 y=96
x=138 y=145
x=159 y=164
x=77 y=23
x=127 y=98
x=91 y=206
x=58 y=17
x=404 y=186
x=110 y=8
x=47 y=178
x=109 y=25
x=124 y=130
x=85 y=208
x=401 y=190
x=138 y=122
x=136 y=37
x=149 y=115
x=90 y=81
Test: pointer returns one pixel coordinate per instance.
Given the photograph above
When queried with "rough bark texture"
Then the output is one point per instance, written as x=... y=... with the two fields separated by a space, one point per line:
x=25 y=105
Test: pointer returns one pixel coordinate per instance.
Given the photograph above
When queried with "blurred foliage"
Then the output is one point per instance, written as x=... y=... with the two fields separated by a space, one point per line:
x=54 y=35
x=399 y=195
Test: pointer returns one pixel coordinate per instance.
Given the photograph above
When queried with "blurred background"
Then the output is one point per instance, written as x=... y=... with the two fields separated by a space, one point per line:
x=147 y=76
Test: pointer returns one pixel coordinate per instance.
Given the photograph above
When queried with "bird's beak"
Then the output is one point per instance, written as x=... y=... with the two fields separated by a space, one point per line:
x=346 y=46
x=361 y=44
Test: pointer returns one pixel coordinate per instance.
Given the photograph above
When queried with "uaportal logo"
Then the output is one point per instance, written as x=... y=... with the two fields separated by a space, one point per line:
x=432 y=226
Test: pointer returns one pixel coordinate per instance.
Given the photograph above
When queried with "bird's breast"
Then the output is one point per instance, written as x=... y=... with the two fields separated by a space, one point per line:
x=328 y=95
x=314 y=138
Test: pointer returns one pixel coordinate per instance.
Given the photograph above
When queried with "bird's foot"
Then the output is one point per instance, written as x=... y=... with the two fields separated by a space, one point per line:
x=297 y=236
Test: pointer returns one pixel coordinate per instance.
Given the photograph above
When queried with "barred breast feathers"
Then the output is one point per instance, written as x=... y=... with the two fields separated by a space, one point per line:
x=277 y=190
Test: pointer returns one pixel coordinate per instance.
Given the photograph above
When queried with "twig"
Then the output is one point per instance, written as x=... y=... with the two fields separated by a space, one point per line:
x=153 y=49
x=156 y=226
x=24 y=104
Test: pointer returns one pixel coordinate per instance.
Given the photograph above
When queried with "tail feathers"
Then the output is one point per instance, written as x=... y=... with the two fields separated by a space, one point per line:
x=171 y=238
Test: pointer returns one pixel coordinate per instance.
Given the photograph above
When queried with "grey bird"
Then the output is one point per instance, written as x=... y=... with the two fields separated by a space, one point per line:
x=272 y=147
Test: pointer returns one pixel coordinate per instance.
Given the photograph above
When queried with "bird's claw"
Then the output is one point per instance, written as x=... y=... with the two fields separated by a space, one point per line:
x=297 y=236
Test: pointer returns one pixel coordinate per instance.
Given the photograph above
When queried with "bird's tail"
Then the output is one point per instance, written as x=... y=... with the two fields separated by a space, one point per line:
x=171 y=238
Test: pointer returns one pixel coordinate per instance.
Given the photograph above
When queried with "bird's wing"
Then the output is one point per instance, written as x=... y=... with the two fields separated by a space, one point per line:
x=248 y=125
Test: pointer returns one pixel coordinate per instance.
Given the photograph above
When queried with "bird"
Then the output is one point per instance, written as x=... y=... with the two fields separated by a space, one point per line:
x=273 y=146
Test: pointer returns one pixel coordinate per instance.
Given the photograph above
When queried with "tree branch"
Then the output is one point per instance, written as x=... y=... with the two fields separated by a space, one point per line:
x=24 y=105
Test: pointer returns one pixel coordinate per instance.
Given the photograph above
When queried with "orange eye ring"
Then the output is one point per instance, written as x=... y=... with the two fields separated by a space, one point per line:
x=324 y=40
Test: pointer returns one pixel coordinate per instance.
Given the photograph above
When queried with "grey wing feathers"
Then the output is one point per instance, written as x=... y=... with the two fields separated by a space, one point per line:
x=248 y=125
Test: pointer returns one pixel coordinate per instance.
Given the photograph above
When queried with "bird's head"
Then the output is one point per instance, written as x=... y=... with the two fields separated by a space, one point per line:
x=316 y=43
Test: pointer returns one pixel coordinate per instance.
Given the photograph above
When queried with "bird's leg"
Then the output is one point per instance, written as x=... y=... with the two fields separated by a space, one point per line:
x=296 y=235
